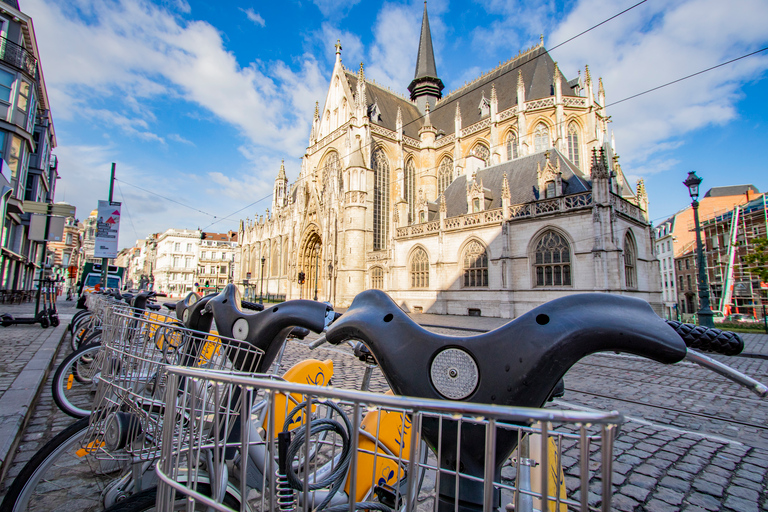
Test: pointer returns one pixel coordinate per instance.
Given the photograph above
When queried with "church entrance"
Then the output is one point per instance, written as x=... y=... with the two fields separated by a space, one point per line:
x=310 y=263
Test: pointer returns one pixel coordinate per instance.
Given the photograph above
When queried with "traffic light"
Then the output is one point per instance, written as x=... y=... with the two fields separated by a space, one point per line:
x=301 y=277
x=207 y=284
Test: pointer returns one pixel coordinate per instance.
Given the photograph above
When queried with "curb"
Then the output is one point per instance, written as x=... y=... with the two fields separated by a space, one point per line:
x=18 y=403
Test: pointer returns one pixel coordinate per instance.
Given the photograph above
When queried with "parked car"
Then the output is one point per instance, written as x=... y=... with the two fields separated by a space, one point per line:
x=739 y=318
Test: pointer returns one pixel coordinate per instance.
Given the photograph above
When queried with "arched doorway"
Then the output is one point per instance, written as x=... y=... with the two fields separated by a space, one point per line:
x=310 y=262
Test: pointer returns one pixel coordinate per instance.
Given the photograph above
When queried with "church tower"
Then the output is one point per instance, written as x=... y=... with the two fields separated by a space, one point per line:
x=280 y=191
x=426 y=87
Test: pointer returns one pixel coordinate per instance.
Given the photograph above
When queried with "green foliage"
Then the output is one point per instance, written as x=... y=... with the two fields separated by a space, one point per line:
x=759 y=258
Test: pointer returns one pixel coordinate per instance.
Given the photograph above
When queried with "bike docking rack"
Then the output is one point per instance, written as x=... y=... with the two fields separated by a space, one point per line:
x=366 y=451
x=138 y=346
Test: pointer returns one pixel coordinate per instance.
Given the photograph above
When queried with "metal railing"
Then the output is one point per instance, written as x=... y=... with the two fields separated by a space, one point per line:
x=18 y=57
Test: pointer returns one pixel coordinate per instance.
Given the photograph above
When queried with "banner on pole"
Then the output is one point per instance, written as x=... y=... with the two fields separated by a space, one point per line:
x=107 y=228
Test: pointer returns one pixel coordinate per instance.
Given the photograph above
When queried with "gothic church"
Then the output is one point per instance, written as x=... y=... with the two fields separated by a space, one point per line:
x=489 y=200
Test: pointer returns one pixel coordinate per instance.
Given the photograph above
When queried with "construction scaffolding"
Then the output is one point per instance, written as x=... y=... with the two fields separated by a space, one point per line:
x=729 y=237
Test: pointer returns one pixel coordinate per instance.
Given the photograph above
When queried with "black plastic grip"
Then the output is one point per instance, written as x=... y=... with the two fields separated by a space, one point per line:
x=708 y=339
x=253 y=306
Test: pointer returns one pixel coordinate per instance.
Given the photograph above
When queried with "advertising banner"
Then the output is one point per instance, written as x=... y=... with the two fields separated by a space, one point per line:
x=107 y=227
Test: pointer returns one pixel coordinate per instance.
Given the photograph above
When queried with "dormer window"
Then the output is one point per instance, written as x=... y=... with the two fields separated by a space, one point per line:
x=550 y=190
x=475 y=205
x=484 y=106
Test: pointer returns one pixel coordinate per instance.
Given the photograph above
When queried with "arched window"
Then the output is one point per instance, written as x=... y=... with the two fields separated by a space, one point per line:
x=380 y=167
x=541 y=138
x=475 y=265
x=482 y=152
x=552 y=260
x=420 y=269
x=444 y=174
x=330 y=170
x=377 y=278
x=410 y=190
x=573 y=143
x=511 y=146
x=630 y=261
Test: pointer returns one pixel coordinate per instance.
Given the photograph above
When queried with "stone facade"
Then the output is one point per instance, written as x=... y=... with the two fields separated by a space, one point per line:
x=497 y=197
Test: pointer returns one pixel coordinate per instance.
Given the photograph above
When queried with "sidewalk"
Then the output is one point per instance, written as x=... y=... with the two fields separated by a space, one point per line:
x=28 y=351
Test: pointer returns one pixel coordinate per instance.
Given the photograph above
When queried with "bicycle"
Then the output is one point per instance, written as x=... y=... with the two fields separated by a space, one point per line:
x=84 y=447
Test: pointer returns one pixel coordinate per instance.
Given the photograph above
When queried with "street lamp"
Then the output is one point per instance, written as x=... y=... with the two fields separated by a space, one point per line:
x=317 y=266
x=705 y=313
x=247 y=279
x=261 y=290
x=330 y=276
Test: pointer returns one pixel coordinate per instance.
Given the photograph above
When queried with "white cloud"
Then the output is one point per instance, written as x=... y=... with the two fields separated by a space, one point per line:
x=254 y=16
x=335 y=8
x=393 y=52
x=657 y=43
x=146 y=53
x=178 y=138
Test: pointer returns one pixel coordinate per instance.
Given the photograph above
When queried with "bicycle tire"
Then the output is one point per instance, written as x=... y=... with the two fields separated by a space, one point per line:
x=81 y=330
x=57 y=478
x=76 y=371
x=75 y=319
x=146 y=501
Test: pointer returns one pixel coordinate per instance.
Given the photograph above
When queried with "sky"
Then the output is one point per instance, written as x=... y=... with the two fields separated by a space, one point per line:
x=198 y=102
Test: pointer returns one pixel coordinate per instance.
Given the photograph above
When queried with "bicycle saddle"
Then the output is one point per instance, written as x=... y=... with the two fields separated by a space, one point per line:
x=268 y=329
x=518 y=364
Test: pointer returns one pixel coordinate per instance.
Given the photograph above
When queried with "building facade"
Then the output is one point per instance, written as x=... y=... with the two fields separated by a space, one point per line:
x=188 y=260
x=675 y=240
x=29 y=170
x=490 y=200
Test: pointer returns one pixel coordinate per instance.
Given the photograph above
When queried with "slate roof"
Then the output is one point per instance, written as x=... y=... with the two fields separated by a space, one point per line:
x=523 y=181
x=733 y=190
x=536 y=66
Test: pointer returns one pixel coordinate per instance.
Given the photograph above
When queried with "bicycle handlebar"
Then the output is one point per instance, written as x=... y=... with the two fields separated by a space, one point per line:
x=268 y=329
x=708 y=339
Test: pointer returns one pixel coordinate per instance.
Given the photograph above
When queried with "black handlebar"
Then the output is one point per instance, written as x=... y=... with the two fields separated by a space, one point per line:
x=708 y=339
x=268 y=329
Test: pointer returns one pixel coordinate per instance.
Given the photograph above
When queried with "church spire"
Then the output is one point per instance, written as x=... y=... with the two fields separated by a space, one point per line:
x=426 y=87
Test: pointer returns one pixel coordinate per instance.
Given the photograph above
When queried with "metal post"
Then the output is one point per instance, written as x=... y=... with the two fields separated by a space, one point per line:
x=705 y=313
x=261 y=291
x=105 y=261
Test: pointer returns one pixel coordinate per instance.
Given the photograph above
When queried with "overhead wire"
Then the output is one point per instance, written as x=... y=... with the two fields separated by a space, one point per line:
x=167 y=198
x=125 y=207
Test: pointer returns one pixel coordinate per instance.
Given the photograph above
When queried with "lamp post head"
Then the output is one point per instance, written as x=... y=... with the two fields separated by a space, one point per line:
x=693 y=182
x=263 y=259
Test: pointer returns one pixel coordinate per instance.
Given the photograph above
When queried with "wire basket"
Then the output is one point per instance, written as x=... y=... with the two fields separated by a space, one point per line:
x=129 y=402
x=405 y=453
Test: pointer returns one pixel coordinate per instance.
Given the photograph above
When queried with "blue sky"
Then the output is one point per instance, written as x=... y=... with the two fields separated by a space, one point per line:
x=200 y=101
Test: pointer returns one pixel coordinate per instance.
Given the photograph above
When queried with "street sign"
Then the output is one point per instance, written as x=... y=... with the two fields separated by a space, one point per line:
x=59 y=209
x=107 y=229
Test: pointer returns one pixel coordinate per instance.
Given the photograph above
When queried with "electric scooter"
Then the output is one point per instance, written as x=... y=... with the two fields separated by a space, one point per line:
x=41 y=316
x=50 y=296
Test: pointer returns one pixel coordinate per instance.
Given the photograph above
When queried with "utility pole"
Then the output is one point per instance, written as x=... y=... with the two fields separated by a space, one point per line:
x=105 y=261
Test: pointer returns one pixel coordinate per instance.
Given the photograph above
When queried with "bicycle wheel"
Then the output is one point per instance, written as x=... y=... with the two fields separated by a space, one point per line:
x=80 y=332
x=74 y=386
x=62 y=476
x=76 y=319
x=146 y=501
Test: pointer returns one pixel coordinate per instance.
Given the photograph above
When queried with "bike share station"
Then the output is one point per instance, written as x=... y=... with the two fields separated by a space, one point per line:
x=46 y=224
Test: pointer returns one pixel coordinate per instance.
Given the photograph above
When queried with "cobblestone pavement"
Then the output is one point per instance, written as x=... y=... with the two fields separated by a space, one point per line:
x=692 y=441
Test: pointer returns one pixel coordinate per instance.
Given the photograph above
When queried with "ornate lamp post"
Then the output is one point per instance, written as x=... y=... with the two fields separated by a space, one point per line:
x=261 y=290
x=705 y=312
x=330 y=277
x=245 y=285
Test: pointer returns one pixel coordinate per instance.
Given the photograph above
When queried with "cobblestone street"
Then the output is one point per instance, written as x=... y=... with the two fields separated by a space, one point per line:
x=693 y=441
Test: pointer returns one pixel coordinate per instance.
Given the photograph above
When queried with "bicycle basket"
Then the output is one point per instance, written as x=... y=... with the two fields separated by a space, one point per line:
x=128 y=406
x=378 y=439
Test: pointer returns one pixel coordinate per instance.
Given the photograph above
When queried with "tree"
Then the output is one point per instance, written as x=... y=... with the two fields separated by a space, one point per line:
x=759 y=258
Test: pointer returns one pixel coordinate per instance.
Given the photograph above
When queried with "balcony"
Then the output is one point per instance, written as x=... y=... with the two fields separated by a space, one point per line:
x=18 y=57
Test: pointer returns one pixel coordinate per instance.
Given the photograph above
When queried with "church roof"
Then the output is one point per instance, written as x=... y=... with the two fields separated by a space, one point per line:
x=538 y=72
x=523 y=181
